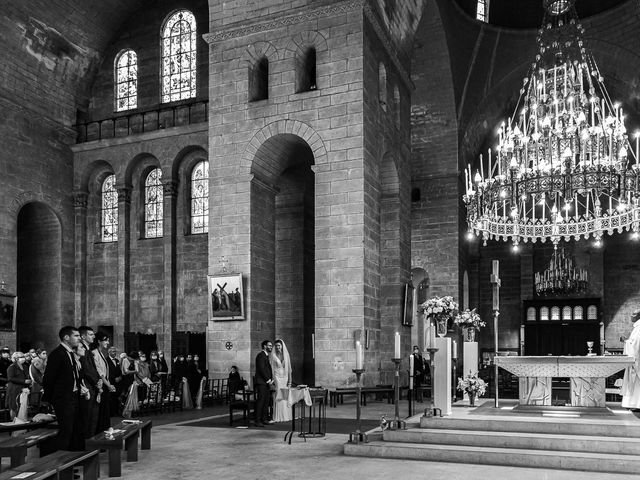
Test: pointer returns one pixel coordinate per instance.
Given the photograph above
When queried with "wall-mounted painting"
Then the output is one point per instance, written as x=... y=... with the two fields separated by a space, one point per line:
x=8 y=304
x=226 y=298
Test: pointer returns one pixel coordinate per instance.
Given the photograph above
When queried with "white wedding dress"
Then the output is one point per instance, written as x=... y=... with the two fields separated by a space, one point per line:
x=281 y=375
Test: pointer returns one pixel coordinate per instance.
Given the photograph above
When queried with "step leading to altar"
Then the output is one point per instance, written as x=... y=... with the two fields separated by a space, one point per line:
x=508 y=438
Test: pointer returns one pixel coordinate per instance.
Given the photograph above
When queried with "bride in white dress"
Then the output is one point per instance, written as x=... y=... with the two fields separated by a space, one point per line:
x=281 y=366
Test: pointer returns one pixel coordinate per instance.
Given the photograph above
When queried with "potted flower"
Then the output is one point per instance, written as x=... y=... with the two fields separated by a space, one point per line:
x=441 y=309
x=469 y=321
x=472 y=386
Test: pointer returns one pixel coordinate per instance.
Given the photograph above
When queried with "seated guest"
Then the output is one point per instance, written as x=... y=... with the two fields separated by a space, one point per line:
x=236 y=382
x=5 y=361
x=17 y=379
x=143 y=375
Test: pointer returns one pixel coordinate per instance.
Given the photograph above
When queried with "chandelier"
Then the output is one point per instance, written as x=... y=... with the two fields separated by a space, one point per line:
x=561 y=276
x=563 y=167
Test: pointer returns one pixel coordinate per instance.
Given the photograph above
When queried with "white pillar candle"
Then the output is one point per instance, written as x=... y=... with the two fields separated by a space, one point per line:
x=396 y=351
x=359 y=355
x=455 y=349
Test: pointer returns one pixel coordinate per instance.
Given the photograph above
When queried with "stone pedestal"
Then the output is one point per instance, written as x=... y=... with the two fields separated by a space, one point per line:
x=442 y=383
x=469 y=360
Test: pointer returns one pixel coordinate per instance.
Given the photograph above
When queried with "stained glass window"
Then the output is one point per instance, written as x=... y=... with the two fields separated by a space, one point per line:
x=482 y=10
x=153 y=201
x=109 y=221
x=200 y=198
x=126 y=81
x=179 y=57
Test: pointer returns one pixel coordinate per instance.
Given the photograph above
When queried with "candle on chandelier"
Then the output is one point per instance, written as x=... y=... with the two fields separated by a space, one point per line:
x=396 y=351
x=490 y=169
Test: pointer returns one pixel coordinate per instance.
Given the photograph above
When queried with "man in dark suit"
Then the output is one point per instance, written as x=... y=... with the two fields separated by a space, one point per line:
x=90 y=407
x=62 y=388
x=418 y=373
x=263 y=382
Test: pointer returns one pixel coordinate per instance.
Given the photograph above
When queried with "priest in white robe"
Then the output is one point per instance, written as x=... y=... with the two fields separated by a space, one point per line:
x=631 y=383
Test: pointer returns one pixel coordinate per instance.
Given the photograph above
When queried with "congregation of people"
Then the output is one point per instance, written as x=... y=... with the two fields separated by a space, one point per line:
x=85 y=382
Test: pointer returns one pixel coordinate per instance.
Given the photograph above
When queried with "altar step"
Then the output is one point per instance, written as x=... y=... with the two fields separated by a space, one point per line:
x=606 y=427
x=534 y=441
x=512 y=457
x=611 y=445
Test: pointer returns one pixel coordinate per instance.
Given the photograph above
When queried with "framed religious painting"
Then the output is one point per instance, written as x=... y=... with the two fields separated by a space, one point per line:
x=8 y=303
x=226 y=298
x=407 y=317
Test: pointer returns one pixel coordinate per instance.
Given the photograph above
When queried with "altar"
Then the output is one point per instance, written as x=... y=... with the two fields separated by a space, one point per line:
x=587 y=376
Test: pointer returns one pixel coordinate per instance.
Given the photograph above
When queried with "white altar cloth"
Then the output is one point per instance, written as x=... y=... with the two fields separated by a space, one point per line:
x=587 y=376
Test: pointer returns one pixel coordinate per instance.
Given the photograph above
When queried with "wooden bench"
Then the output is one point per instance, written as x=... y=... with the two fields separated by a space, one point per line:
x=337 y=396
x=16 y=427
x=16 y=447
x=127 y=439
x=58 y=465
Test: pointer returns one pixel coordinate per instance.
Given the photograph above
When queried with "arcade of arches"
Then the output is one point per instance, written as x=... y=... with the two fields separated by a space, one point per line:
x=315 y=149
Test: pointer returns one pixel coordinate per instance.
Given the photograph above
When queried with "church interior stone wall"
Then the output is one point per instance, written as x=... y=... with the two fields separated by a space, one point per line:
x=325 y=199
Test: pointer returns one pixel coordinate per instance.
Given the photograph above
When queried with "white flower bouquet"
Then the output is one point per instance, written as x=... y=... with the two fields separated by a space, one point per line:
x=472 y=385
x=440 y=307
x=469 y=319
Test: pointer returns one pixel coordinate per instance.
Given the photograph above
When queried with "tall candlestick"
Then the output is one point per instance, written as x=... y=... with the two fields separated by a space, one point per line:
x=396 y=351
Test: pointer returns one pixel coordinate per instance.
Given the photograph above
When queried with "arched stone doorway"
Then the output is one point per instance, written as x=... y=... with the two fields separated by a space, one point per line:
x=39 y=266
x=283 y=249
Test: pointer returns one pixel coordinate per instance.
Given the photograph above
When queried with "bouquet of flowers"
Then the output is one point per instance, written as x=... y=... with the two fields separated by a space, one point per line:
x=469 y=319
x=440 y=307
x=472 y=385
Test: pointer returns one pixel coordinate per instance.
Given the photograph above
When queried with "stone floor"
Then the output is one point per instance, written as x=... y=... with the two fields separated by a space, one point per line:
x=180 y=451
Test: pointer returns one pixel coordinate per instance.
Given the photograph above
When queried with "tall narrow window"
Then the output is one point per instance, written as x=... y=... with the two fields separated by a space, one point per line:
x=482 y=10
x=259 y=80
x=153 y=201
x=109 y=213
x=382 y=86
x=179 y=57
x=200 y=198
x=306 y=71
x=126 y=81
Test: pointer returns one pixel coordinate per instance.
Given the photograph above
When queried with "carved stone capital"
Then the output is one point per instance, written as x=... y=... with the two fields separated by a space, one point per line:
x=124 y=194
x=80 y=199
x=170 y=188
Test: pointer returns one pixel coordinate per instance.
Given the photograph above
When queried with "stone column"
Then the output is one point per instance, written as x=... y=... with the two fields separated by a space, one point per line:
x=80 y=200
x=121 y=322
x=169 y=243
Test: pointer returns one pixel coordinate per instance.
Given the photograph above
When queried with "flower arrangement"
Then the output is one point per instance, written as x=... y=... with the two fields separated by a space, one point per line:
x=440 y=307
x=472 y=385
x=469 y=319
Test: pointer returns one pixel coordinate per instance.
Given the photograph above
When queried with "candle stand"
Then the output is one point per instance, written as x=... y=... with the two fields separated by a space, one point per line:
x=397 y=424
x=429 y=410
x=358 y=436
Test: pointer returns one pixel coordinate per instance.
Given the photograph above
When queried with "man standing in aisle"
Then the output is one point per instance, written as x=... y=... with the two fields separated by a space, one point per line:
x=263 y=382
x=62 y=389
x=418 y=373
x=91 y=379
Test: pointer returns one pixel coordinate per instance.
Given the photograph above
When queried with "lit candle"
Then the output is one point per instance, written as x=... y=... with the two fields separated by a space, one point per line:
x=432 y=335
x=359 y=355
x=411 y=372
x=396 y=352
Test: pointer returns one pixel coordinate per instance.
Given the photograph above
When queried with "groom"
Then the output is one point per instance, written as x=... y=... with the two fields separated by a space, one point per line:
x=263 y=382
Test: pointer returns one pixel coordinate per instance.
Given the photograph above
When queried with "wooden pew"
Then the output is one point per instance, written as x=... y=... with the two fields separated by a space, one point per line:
x=58 y=465
x=16 y=447
x=125 y=440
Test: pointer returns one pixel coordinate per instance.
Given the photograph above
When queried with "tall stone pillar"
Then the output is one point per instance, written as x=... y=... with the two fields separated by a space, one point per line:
x=121 y=322
x=80 y=199
x=169 y=243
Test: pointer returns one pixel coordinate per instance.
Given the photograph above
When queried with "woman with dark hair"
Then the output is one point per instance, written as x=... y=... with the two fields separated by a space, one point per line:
x=154 y=367
x=17 y=379
x=194 y=376
x=103 y=367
